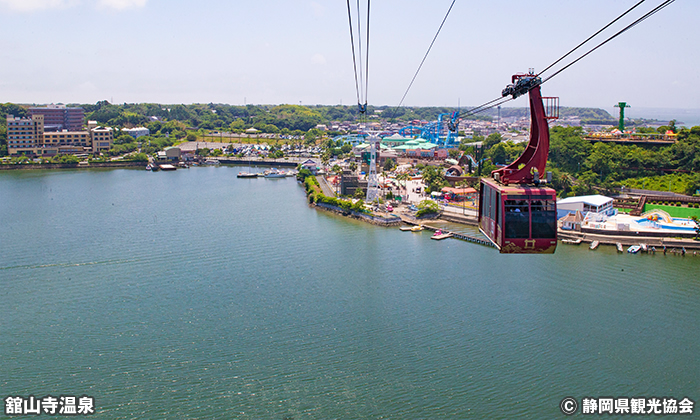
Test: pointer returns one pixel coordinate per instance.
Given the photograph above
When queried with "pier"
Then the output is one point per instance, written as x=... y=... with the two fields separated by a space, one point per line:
x=448 y=234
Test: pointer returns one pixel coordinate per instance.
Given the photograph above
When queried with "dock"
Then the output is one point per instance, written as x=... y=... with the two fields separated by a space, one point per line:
x=448 y=234
x=441 y=237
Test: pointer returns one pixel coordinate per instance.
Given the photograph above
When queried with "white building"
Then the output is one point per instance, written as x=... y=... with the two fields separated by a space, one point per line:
x=585 y=204
x=136 y=132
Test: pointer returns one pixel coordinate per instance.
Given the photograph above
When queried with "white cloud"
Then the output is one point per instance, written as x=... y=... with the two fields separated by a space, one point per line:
x=122 y=4
x=318 y=59
x=37 y=5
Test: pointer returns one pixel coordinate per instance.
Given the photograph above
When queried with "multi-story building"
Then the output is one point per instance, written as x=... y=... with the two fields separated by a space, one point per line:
x=27 y=136
x=102 y=137
x=60 y=117
x=67 y=138
x=24 y=135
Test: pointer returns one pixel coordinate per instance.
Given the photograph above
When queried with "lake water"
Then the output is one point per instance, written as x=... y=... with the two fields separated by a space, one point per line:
x=194 y=294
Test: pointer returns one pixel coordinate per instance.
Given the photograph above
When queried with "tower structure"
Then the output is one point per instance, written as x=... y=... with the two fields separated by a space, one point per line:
x=372 y=179
x=621 y=123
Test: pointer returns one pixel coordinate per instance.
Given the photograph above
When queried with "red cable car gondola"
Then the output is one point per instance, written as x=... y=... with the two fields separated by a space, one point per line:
x=515 y=212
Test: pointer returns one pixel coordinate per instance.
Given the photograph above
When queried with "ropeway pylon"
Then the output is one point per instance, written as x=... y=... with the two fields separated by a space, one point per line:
x=373 y=192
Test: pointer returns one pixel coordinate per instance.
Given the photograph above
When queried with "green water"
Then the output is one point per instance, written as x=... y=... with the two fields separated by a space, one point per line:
x=194 y=294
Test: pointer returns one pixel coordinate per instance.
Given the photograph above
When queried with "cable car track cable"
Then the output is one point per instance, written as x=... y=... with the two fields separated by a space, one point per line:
x=352 y=45
x=424 y=57
x=591 y=37
x=486 y=106
x=623 y=30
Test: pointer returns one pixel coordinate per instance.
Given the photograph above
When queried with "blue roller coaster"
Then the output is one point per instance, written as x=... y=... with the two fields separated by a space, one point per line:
x=440 y=132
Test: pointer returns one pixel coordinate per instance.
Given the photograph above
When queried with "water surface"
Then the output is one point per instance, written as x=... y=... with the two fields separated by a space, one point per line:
x=194 y=294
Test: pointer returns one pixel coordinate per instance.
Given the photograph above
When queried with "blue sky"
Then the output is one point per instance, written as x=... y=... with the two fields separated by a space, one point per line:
x=298 y=51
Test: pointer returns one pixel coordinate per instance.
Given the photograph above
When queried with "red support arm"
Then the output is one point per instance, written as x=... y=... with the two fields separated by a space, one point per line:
x=535 y=155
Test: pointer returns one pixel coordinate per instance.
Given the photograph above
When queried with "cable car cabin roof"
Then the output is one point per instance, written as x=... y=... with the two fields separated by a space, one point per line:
x=518 y=189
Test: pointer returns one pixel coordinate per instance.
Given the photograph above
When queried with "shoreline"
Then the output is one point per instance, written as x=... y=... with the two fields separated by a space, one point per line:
x=38 y=166
x=629 y=240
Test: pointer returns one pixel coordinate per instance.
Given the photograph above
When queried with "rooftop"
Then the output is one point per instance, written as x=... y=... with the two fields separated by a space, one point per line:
x=591 y=200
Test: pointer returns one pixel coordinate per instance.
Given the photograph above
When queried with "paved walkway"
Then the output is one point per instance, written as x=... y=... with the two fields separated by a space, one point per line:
x=325 y=187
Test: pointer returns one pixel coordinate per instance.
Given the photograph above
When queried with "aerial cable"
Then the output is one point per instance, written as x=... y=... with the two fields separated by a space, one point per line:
x=491 y=104
x=367 y=58
x=359 y=37
x=478 y=109
x=424 y=57
x=591 y=37
x=352 y=44
x=623 y=30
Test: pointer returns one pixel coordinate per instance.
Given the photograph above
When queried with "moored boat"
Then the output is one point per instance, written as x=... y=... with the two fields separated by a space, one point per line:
x=619 y=247
x=572 y=241
x=439 y=235
x=416 y=228
x=634 y=249
x=275 y=173
x=247 y=175
x=594 y=245
x=167 y=167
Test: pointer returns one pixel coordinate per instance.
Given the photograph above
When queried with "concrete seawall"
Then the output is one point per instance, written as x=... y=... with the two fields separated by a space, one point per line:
x=74 y=165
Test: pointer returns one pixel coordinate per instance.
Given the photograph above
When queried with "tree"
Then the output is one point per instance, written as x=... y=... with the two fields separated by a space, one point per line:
x=389 y=164
x=124 y=139
x=492 y=140
x=353 y=166
x=191 y=137
x=434 y=179
x=427 y=207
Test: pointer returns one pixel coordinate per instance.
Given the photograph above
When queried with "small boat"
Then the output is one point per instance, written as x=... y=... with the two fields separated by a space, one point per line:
x=167 y=167
x=634 y=249
x=291 y=173
x=594 y=245
x=416 y=228
x=439 y=235
x=149 y=167
x=619 y=247
x=213 y=162
x=275 y=173
x=247 y=175
x=183 y=165
x=644 y=247
x=406 y=228
x=572 y=241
